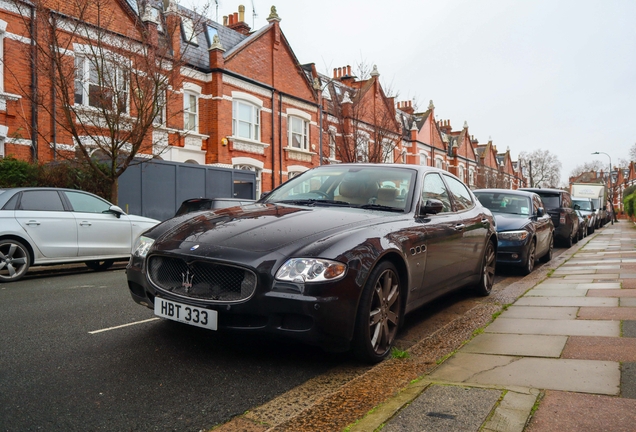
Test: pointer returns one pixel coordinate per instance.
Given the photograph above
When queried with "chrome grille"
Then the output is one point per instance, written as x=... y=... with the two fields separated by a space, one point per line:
x=201 y=279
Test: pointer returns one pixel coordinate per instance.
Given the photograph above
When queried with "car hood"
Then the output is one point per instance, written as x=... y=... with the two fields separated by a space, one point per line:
x=142 y=220
x=262 y=227
x=510 y=222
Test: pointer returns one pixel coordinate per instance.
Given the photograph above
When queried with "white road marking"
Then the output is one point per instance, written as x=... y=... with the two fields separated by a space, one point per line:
x=124 y=325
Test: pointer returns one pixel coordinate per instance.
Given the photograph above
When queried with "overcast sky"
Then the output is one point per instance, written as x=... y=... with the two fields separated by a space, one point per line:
x=557 y=75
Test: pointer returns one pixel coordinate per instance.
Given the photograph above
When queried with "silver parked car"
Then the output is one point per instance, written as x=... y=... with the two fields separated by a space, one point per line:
x=53 y=226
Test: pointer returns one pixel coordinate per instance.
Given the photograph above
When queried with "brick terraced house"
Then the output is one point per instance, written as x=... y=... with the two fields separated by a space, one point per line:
x=224 y=95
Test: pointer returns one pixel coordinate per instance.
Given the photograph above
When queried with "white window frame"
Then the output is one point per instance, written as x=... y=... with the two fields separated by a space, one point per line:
x=3 y=30
x=83 y=65
x=461 y=173
x=388 y=148
x=471 y=177
x=190 y=113
x=189 y=33
x=246 y=100
x=362 y=147
x=439 y=163
x=332 y=145
x=302 y=136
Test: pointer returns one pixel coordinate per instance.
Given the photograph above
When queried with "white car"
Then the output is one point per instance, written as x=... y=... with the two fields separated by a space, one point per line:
x=41 y=226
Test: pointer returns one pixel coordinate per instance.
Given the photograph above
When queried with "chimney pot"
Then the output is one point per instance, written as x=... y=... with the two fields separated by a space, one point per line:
x=241 y=13
x=335 y=71
x=235 y=18
x=348 y=70
x=225 y=23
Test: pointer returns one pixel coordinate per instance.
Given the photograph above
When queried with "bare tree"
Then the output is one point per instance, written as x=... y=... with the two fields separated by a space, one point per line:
x=106 y=91
x=544 y=168
x=363 y=123
x=593 y=166
x=632 y=152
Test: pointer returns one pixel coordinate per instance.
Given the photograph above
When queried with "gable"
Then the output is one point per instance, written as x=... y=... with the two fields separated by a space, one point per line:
x=268 y=59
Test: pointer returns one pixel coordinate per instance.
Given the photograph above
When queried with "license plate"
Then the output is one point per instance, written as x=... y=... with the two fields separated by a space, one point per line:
x=186 y=314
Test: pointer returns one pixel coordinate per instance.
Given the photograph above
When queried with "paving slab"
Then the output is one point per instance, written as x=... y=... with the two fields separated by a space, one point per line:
x=627 y=276
x=628 y=283
x=607 y=313
x=629 y=329
x=517 y=345
x=586 y=277
x=585 y=376
x=611 y=293
x=445 y=408
x=579 y=268
x=627 y=301
x=567 y=301
x=554 y=327
x=572 y=292
x=548 y=312
x=574 y=271
x=576 y=412
x=619 y=349
x=512 y=413
x=628 y=380
x=599 y=285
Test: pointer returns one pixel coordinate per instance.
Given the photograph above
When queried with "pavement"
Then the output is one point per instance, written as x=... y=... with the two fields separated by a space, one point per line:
x=562 y=357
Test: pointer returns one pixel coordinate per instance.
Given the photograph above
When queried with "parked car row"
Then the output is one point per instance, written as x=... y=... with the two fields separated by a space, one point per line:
x=335 y=256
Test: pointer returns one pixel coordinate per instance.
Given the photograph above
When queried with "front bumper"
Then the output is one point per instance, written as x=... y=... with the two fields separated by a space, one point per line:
x=512 y=253
x=317 y=314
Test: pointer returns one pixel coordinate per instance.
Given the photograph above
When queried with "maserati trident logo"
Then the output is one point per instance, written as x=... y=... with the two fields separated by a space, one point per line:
x=186 y=280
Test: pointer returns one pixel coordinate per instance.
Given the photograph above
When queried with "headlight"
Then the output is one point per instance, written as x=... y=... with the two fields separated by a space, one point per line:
x=513 y=235
x=301 y=270
x=142 y=246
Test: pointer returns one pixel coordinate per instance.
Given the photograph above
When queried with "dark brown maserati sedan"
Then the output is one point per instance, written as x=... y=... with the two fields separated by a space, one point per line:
x=335 y=256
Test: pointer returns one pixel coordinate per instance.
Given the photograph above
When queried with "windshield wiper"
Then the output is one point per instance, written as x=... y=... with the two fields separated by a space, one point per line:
x=381 y=207
x=312 y=202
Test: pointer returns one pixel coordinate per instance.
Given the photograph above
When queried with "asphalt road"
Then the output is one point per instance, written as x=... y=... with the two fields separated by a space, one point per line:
x=77 y=354
x=56 y=375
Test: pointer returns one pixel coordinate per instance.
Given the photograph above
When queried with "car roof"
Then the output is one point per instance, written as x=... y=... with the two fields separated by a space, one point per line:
x=550 y=190
x=507 y=191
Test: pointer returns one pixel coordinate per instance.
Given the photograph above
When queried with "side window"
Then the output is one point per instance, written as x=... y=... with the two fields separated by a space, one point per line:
x=434 y=188
x=567 y=202
x=41 y=201
x=86 y=203
x=463 y=199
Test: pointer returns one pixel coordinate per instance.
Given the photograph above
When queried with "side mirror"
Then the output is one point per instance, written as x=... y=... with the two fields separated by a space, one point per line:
x=540 y=212
x=577 y=207
x=117 y=211
x=431 y=206
x=264 y=194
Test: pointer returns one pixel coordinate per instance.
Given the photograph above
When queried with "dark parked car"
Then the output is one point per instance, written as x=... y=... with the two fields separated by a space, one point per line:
x=582 y=232
x=335 y=257
x=524 y=231
x=198 y=204
x=41 y=226
x=558 y=204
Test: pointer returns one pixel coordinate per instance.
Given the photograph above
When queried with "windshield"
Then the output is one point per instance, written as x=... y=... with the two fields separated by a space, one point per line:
x=583 y=205
x=498 y=202
x=374 y=187
x=551 y=201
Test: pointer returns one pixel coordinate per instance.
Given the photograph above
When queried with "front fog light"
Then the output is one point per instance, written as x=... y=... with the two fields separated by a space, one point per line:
x=301 y=270
x=142 y=246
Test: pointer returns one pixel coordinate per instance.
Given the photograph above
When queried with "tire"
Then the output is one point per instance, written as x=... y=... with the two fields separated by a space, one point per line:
x=569 y=241
x=487 y=276
x=99 y=265
x=530 y=259
x=379 y=314
x=548 y=255
x=14 y=260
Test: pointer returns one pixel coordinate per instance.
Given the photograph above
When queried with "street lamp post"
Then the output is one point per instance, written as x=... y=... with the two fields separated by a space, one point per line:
x=611 y=186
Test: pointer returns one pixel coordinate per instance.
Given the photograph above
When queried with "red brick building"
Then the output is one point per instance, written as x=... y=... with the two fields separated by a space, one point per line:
x=238 y=99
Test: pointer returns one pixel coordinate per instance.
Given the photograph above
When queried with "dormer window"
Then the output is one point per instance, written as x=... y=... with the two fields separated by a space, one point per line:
x=187 y=29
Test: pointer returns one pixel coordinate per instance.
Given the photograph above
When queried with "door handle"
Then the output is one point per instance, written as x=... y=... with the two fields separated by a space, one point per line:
x=85 y=223
x=33 y=222
x=460 y=227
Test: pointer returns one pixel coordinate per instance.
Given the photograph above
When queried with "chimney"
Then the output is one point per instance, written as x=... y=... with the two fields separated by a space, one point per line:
x=225 y=21
x=237 y=22
x=445 y=126
x=346 y=74
x=406 y=106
